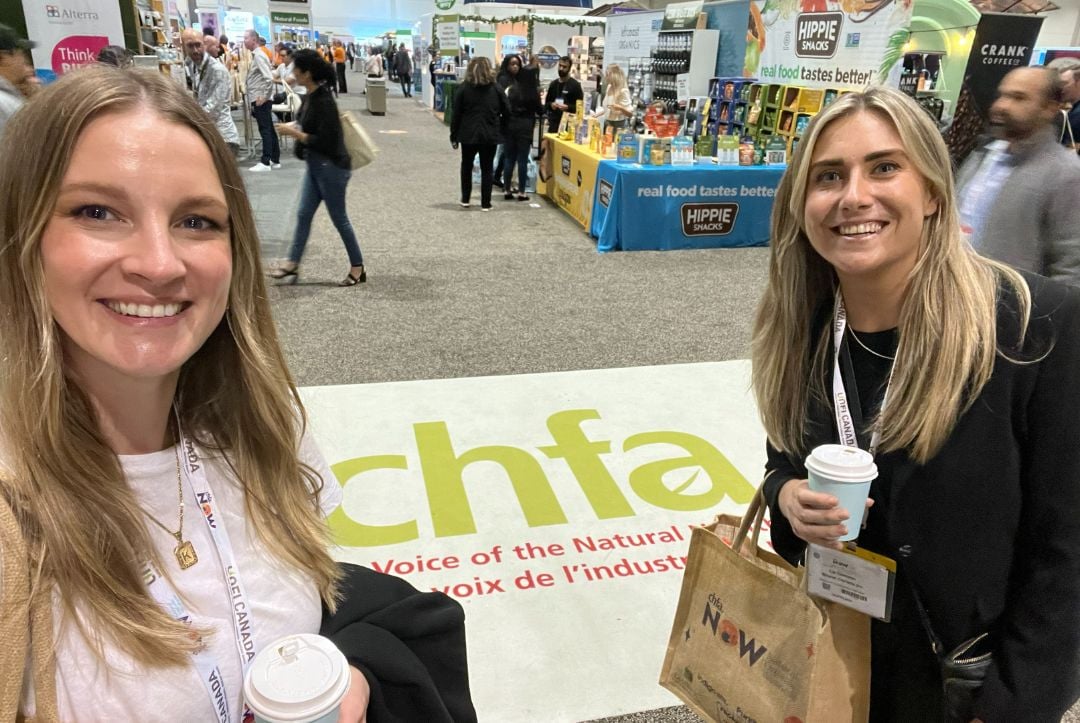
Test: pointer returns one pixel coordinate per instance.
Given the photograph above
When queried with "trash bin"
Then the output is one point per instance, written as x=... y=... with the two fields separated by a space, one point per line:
x=376 y=95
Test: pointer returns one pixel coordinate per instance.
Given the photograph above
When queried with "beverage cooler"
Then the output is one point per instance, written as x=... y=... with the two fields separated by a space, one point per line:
x=680 y=52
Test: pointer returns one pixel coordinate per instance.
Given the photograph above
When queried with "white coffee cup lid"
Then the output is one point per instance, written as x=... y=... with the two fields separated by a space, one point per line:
x=296 y=678
x=841 y=463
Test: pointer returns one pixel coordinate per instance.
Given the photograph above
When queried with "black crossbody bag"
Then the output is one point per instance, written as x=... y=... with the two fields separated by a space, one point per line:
x=963 y=670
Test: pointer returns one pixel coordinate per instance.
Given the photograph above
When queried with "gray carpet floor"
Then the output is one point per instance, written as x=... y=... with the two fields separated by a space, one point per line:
x=455 y=292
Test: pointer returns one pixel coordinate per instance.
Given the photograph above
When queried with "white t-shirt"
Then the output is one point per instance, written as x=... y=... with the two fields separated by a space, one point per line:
x=283 y=600
x=283 y=72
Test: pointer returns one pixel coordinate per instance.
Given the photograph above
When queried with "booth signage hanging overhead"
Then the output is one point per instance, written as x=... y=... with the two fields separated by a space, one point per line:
x=822 y=45
x=448 y=30
x=290 y=18
x=1002 y=43
x=70 y=33
x=682 y=16
x=444 y=5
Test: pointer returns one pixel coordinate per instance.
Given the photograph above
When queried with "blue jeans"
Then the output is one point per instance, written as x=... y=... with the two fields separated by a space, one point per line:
x=324 y=182
x=517 y=151
x=271 y=149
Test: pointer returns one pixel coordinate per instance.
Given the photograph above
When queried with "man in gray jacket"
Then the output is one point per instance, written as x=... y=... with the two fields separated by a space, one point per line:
x=1019 y=196
x=15 y=69
x=212 y=85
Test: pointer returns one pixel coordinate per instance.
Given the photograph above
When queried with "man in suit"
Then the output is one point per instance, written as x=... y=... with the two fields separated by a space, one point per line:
x=1019 y=196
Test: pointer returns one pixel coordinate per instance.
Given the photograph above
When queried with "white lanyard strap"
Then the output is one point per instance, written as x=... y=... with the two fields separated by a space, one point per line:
x=195 y=472
x=209 y=671
x=207 y=667
x=845 y=423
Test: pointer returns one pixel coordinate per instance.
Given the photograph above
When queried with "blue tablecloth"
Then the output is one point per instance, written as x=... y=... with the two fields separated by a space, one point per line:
x=682 y=207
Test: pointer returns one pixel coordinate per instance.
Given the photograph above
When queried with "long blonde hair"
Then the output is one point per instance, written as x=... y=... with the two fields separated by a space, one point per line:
x=948 y=321
x=614 y=80
x=87 y=534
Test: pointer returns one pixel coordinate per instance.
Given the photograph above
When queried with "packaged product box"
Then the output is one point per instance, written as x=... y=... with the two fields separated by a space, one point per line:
x=652 y=143
x=776 y=152
x=682 y=151
x=746 y=151
x=727 y=150
x=705 y=146
x=628 y=148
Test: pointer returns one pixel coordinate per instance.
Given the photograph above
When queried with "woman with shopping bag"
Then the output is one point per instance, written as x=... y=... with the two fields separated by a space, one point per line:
x=959 y=374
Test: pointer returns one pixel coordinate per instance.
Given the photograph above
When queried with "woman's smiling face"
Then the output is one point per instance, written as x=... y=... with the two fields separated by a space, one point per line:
x=865 y=200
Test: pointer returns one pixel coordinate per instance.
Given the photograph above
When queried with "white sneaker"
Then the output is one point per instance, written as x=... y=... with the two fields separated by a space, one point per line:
x=463 y=204
x=259 y=168
x=276 y=166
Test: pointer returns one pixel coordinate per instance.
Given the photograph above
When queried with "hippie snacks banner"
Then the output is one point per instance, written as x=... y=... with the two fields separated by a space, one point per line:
x=69 y=33
x=1002 y=43
x=825 y=44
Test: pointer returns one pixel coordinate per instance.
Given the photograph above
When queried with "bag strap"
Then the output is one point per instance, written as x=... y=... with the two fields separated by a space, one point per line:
x=755 y=514
x=1066 y=128
x=25 y=627
x=924 y=618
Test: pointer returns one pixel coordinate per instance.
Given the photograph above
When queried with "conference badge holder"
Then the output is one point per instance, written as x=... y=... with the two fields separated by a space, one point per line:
x=852 y=577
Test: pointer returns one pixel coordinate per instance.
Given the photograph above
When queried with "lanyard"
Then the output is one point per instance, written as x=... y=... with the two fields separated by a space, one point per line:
x=194 y=472
x=846 y=424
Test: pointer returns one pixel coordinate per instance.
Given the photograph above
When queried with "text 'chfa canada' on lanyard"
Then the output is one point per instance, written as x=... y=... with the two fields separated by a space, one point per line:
x=194 y=471
x=845 y=421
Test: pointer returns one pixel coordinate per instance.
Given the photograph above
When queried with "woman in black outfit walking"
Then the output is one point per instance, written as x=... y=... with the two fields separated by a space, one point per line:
x=320 y=141
x=480 y=113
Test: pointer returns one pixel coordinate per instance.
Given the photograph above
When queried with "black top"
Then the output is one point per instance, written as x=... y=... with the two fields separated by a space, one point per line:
x=988 y=530
x=570 y=91
x=523 y=95
x=480 y=113
x=319 y=118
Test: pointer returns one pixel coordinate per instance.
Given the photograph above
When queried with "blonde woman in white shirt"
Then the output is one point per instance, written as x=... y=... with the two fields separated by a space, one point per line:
x=616 y=107
x=136 y=326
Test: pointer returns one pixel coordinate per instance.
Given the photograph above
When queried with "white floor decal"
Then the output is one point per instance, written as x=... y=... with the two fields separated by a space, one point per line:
x=555 y=507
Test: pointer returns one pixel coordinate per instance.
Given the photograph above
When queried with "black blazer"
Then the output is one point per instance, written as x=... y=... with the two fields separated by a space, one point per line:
x=318 y=117
x=480 y=113
x=989 y=529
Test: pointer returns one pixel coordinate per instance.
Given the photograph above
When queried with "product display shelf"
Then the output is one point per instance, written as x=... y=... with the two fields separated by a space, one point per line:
x=730 y=97
x=684 y=52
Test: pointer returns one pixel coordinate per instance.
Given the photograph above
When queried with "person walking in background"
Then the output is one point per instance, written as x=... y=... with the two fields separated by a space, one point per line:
x=523 y=96
x=403 y=66
x=480 y=113
x=341 y=58
x=321 y=143
x=616 y=107
x=1019 y=195
x=881 y=328
x=15 y=69
x=1069 y=68
x=373 y=68
x=562 y=95
x=260 y=92
x=503 y=79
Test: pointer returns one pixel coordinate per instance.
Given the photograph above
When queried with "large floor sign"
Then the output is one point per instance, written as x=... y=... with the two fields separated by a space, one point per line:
x=555 y=507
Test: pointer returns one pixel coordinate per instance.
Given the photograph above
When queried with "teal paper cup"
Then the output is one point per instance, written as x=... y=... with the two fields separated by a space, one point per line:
x=845 y=473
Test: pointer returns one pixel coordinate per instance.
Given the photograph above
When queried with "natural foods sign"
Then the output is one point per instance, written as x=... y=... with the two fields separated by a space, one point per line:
x=825 y=44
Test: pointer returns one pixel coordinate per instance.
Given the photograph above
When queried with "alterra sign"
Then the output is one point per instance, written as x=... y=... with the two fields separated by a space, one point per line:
x=822 y=48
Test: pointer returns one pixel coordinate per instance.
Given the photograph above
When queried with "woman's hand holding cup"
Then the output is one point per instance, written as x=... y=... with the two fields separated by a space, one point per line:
x=815 y=517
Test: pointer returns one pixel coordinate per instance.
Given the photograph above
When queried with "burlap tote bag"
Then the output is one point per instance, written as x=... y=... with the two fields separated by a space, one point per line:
x=358 y=143
x=749 y=644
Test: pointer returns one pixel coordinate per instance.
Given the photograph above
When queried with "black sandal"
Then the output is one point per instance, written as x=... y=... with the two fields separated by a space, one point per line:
x=351 y=280
x=283 y=274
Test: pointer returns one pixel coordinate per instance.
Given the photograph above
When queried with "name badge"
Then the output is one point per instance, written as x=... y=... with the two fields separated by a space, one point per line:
x=856 y=578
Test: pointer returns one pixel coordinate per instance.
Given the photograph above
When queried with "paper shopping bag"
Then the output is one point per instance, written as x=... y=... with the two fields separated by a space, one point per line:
x=358 y=143
x=748 y=644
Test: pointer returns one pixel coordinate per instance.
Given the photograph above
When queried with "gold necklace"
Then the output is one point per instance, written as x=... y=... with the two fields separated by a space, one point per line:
x=864 y=346
x=184 y=550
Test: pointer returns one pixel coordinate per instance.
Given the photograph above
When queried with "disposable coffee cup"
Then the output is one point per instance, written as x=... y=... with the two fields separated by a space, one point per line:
x=845 y=473
x=297 y=679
